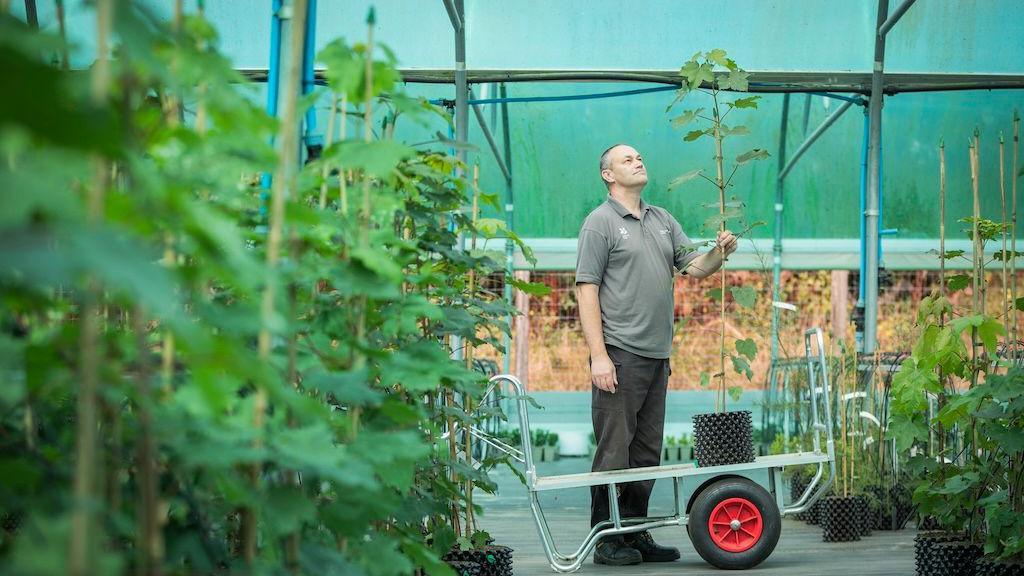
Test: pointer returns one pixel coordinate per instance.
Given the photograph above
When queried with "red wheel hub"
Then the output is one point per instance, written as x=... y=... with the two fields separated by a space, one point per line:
x=735 y=524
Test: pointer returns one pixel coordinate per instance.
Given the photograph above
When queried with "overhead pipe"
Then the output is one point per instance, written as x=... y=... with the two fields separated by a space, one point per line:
x=453 y=15
x=895 y=17
x=832 y=118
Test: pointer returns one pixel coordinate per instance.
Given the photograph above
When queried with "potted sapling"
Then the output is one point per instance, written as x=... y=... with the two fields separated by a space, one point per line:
x=720 y=437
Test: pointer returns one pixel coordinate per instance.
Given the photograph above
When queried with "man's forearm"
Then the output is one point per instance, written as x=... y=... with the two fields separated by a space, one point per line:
x=706 y=264
x=590 y=318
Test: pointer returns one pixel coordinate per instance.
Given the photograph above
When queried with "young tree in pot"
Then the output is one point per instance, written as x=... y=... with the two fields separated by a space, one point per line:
x=721 y=437
x=840 y=513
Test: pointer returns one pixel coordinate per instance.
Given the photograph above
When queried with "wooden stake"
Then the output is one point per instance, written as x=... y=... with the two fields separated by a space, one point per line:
x=284 y=182
x=720 y=182
x=1005 y=288
x=1013 y=234
x=81 y=560
x=940 y=431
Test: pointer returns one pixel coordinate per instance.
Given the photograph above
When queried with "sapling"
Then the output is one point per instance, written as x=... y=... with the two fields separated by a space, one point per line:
x=81 y=560
x=698 y=74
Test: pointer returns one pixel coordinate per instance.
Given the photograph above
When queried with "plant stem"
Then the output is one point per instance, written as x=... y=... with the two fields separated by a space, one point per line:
x=1005 y=288
x=471 y=293
x=720 y=182
x=284 y=182
x=81 y=561
x=149 y=537
x=330 y=140
x=940 y=431
x=343 y=174
x=1013 y=234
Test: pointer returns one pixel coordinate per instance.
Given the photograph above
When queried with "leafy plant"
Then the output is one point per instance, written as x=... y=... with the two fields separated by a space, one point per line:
x=266 y=370
x=699 y=74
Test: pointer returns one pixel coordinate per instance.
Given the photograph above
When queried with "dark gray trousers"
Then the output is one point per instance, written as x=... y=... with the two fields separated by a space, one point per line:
x=628 y=426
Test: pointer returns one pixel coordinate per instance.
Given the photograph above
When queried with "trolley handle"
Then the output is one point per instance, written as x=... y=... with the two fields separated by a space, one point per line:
x=524 y=425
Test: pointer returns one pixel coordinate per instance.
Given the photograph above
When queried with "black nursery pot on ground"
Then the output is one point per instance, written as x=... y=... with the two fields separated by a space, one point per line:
x=723 y=438
x=865 y=521
x=840 y=519
x=945 y=554
x=490 y=560
x=990 y=567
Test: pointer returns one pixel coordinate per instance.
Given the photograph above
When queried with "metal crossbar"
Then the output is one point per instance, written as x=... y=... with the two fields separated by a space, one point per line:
x=818 y=377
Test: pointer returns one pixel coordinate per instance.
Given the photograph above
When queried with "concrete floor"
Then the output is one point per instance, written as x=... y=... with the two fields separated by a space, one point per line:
x=800 y=550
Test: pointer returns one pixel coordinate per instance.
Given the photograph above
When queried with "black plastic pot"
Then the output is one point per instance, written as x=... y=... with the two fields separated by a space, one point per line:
x=864 y=519
x=839 y=519
x=944 y=554
x=928 y=523
x=990 y=567
x=464 y=567
x=797 y=485
x=492 y=560
x=723 y=438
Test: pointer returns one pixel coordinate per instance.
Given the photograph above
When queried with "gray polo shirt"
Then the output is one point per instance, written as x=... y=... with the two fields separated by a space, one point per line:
x=632 y=261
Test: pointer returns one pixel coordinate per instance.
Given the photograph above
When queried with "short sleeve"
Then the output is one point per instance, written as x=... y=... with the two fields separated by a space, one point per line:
x=685 y=250
x=591 y=256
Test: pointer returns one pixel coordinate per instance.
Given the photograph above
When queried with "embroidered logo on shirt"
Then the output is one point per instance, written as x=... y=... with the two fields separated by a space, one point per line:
x=663 y=232
x=624 y=232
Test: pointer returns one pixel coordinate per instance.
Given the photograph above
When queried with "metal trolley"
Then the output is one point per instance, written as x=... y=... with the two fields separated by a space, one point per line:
x=732 y=521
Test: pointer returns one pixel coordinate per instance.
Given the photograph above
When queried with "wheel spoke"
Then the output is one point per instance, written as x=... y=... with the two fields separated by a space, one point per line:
x=717 y=523
x=752 y=535
x=721 y=536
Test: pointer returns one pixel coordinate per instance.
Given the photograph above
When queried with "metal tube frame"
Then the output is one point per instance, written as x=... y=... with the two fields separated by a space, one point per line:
x=825 y=125
x=871 y=211
x=817 y=369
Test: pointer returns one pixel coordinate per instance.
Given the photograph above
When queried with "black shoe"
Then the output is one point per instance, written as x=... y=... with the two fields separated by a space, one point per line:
x=650 y=550
x=616 y=553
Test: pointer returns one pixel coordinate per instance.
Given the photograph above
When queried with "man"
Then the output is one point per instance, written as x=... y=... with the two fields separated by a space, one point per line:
x=627 y=254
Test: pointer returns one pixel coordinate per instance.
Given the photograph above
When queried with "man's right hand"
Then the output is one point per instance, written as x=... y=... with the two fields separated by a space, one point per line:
x=602 y=374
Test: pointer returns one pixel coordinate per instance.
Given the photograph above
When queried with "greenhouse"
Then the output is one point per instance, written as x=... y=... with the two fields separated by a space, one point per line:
x=467 y=287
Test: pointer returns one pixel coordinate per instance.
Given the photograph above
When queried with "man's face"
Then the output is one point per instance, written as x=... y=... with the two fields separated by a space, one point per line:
x=627 y=167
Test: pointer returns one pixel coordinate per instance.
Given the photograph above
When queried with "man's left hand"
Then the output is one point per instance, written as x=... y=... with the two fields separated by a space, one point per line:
x=726 y=242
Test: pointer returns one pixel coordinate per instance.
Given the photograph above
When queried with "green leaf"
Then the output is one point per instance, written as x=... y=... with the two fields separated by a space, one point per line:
x=1019 y=303
x=531 y=288
x=741 y=366
x=680 y=95
x=989 y=332
x=377 y=158
x=747 y=347
x=686 y=117
x=715 y=294
x=693 y=135
x=705 y=379
x=735 y=131
x=735 y=392
x=718 y=57
x=745 y=295
x=748 y=102
x=736 y=80
x=378 y=261
x=464 y=543
x=678 y=180
x=702 y=75
x=958 y=282
x=755 y=154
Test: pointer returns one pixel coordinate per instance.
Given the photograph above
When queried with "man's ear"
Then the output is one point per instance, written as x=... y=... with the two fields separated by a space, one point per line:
x=606 y=175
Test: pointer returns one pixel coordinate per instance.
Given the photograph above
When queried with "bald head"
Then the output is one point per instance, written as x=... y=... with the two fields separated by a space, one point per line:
x=621 y=165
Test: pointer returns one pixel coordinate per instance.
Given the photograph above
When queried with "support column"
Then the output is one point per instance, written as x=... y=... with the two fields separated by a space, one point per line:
x=522 y=331
x=874 y=161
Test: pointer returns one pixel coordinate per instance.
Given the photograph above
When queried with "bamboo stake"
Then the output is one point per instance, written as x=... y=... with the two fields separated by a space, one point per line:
x=1013 y=232
x=976 y=256
x=1004 y=289
x=149 y=538
x=343 y=175
x=284 y=182
x=469 y=354
x=65 y=60
x=330 y=140
x=942 y=292
x=81 y=561
x=720 y=182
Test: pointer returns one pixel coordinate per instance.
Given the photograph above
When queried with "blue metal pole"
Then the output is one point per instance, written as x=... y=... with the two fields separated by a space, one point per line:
x=863 y=203
x=273 y=76
x=311 y=137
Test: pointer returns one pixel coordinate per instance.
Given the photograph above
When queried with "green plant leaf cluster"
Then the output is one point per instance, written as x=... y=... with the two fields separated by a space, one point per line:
x=331 y=440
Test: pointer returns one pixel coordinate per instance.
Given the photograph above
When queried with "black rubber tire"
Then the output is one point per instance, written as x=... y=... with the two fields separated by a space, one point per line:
x=705 y=503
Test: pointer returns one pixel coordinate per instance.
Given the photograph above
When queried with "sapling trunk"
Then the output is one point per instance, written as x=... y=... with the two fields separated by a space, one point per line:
x=720 y=182
x=343 y=174
x=976 y=256
x=1005 y=288
x=359 y=358
x=81 y=560
x=942 y=292
x=1013 y=234
x=283 y=183
x=149 y=543
x=326 y=171
x=470 y=294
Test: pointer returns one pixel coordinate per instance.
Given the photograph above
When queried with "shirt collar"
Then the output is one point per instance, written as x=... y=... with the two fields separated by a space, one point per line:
x=623 y=211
